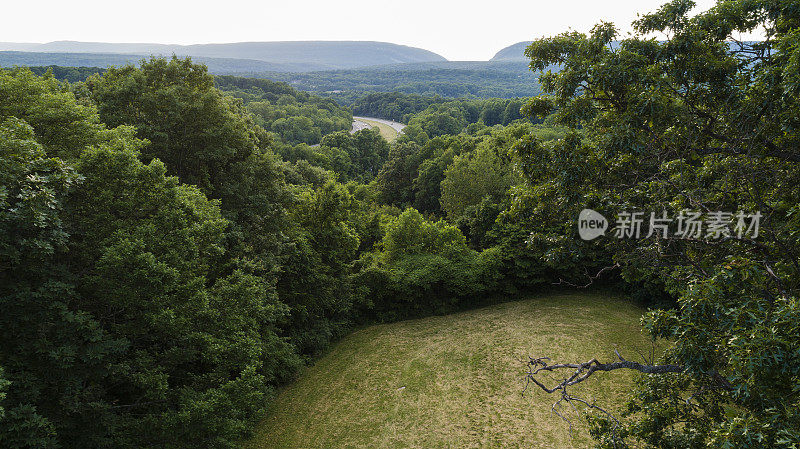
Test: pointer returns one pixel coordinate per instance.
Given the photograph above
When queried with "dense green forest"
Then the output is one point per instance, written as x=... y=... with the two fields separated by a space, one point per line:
x=393 y=105
x=292 y=115
x=173 y=250
x=185 y=270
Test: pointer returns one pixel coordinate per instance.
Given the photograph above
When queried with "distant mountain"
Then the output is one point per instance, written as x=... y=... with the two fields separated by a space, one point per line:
x=300 y=55
x=103 y=60
x=514 y=52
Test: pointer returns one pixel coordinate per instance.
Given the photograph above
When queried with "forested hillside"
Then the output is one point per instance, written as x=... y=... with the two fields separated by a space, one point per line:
x=187 y=270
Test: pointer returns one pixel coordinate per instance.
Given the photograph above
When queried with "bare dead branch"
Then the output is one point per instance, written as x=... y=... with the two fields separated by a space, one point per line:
x=540 y=364
x=583 y=371
x=591 y=278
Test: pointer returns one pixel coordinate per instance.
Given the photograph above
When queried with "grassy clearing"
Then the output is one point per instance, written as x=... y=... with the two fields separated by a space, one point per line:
x=454 y=381
x=387 y=132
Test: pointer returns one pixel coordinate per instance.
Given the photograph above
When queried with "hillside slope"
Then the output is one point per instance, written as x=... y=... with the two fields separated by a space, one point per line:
x=454 y=381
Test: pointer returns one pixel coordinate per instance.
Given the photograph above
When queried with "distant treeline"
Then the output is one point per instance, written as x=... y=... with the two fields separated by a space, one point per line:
x=347 y=87
x=453 y=117
x=270 y=90
x=473 y=80
x=393 y=105
x=71 y=74
x=436 y=115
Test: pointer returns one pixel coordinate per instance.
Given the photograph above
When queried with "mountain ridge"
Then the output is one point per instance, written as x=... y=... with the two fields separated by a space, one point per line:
x=306 y=55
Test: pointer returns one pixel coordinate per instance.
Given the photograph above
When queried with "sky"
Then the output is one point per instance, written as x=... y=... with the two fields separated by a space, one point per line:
x=458 y=30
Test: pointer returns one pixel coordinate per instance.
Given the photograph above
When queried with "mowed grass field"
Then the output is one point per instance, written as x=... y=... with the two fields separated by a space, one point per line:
x=455 y=381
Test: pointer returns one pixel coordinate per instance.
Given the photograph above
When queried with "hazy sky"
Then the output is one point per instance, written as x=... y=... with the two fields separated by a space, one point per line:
x=457 y=30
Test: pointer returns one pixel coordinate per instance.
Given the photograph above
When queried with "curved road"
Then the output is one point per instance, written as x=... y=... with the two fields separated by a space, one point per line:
x=359 y=123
